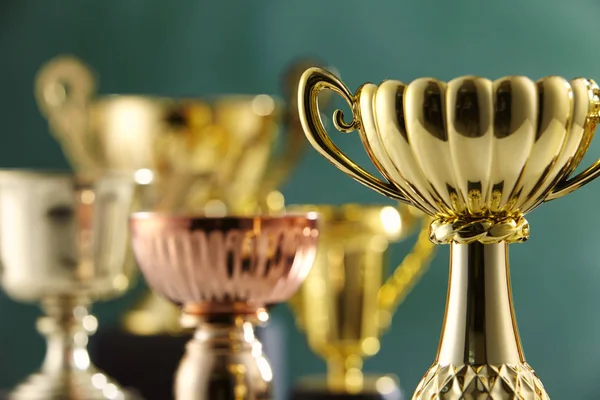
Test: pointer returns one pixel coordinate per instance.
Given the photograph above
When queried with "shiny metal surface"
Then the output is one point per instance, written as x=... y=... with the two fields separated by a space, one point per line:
x=199 y=154
x=213 y=155
x=223 y=273
x=345 y=303
x=476 y=155
x=63 y=243
x=224 y=360
x=480 y=353
x=186 y=152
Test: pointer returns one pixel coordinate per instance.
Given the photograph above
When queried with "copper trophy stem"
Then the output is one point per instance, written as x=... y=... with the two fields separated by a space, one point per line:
x=224 y=359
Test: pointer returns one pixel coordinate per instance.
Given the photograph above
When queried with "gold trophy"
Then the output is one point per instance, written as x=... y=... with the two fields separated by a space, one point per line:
x=344 y=304
x=224 y=273
x=63 y=242
x=216 y=156
x=476 y=155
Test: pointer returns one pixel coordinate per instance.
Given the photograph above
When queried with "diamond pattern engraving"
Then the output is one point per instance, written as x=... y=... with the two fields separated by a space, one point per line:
x=480 y=382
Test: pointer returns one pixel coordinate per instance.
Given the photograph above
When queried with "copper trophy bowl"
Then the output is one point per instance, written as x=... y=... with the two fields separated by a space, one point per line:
x=224 y=273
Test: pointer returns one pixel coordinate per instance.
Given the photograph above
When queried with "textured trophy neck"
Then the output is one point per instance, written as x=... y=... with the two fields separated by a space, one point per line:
x=223 y=360
x=480 y=326
x=67 y=371
x=230 y=332
x=66 y=327
x=480 y=353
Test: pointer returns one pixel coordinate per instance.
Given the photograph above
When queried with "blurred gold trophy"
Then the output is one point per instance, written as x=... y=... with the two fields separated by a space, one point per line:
x=213 y=156
x=224 y=273
x=343 y=306
x=476 y=155
x=63 y=243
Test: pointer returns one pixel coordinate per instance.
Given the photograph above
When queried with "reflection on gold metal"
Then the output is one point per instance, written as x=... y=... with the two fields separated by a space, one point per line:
x=224 y=272
x=342 y=305
x=476 y=155
x=64 y=245
x=215 y=156
x=185 y=152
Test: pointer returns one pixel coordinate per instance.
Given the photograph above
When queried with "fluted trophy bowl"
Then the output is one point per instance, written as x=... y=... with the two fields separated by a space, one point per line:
x=224 y=273
x=469 y=147
x=476 y=155
x=63 y=244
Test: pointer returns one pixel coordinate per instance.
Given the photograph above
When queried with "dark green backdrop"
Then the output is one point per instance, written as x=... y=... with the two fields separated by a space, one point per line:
x=193 y=48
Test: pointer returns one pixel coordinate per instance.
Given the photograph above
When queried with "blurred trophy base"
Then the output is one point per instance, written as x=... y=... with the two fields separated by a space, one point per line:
x=373 y=388
x=144 y=362
x=148 y=362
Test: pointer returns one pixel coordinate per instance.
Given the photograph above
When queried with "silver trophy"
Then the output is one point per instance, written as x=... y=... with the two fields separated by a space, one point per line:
x=64 y=245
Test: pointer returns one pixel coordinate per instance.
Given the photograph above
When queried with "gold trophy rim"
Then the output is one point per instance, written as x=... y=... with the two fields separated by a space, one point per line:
x=458 y=219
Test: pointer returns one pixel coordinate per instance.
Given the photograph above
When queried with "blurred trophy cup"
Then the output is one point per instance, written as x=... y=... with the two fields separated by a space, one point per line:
x=63 y=244
x=476 y=155
x=344 y=304
x=224 y=273
x=215 y=156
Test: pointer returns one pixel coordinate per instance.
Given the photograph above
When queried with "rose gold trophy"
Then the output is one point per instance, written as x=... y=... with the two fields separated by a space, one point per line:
x=476 y=155
x=224 y=274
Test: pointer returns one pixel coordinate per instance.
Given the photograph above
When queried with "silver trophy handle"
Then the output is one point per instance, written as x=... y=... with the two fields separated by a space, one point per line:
x=64 y=87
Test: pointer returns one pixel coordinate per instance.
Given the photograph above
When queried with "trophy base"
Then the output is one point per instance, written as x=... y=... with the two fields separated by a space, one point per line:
x=493 y=382
x=70 y=385
x=147 y=363
x=374 y=388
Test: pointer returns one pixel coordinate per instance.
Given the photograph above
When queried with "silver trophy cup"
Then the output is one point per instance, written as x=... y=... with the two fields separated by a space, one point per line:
x=64 y=245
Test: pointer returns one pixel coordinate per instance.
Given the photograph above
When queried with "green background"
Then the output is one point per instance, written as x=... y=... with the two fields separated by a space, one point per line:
x=195 y=48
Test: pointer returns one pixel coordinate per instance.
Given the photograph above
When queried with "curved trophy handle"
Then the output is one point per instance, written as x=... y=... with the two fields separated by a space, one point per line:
x=63 y=89
x=592 y=172
x=406 y=275
x=311 y=83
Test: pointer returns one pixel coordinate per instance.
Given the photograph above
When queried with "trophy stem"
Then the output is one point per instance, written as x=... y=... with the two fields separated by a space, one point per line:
x=223 y=360
x=67 y=372
x=479 y=326
x=66 y=327
x=345 y=373
x=480 y=350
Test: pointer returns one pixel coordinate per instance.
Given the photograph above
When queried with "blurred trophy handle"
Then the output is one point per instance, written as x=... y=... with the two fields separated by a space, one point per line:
x=397 y=286
x=406 y=275
x=64 y=87
x=281 y=166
